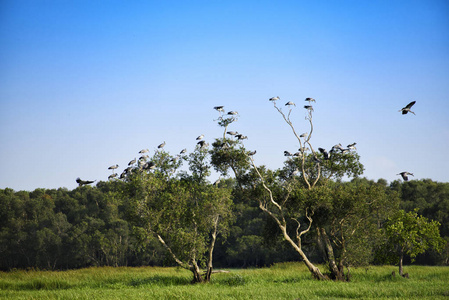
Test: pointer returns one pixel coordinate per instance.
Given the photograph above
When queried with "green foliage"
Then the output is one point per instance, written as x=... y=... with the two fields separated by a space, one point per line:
x=411 y=234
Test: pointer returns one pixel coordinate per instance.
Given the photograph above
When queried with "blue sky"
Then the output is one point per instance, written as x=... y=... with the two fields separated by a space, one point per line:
x=87 y=84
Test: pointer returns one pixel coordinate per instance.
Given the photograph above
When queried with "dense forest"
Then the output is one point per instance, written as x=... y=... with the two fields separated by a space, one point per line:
x=164 y=210
x=88 y=226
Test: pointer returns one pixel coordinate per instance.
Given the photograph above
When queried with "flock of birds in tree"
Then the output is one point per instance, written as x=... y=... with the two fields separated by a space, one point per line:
x=144 y=164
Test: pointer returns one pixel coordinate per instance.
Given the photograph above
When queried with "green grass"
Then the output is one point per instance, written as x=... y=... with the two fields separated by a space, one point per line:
x=282 y=281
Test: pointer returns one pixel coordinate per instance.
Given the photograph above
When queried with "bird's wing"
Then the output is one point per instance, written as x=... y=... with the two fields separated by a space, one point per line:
x=410 y=104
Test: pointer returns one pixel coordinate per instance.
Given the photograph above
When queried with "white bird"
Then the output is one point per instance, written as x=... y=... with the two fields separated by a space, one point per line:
x=310 y=100
x=183 y=151
x=274 y=98
x=303 y=135
x=324 y=152
x=405 y=175
x=219 y=108
x=233 y=113
x=289 y=103
x=161 y=145
x=407 y=108
x=252 y=153
x=295 y=172
x=232 y=132
x=113 y=167
x=112 y=175
x=132 y=162
x=144 y=151
x=352 y=146
x=200 y=137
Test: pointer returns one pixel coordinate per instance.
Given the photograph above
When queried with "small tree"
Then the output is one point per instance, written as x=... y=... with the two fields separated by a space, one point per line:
x=411 y=234
x=184 y=212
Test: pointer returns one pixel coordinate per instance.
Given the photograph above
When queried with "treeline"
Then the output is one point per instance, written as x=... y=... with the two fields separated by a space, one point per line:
x=91 y=226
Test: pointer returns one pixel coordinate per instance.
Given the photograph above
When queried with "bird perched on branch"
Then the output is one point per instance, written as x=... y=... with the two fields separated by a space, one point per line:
x=252 y=153
x=352 y=146
x=112 y=175
x=405 y=175
x=233 y=113
x=407 y=108
x=200 y=137
x=310 y=100
x=132 y=162
x=144 y=151
x=286 y=153
x=183 y=151
x=83 y=182
x=219 y=108
x=113 y=167
x=161 y=145
x=274 y=98
x=232 y=132
x=289 y=103
x=308 y=107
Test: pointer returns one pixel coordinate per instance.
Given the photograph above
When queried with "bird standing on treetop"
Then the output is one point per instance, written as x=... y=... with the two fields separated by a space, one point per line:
x=289 y=103
x=310 y=100
x=274 y=98
x=407 y=108
x=219 y=108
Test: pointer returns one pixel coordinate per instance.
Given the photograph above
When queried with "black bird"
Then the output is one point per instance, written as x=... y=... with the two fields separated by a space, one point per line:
x=252 y=153
x=325 y=153
x=405 y=175
x=83 y=182
x=286 y=153
x=352 y=146
x=407 y=108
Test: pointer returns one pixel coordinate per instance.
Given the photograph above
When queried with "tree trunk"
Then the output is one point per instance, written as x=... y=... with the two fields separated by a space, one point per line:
x=335 y=271
x=197 y=278
x=211 y=251
x=316 y=273
x=401 y=258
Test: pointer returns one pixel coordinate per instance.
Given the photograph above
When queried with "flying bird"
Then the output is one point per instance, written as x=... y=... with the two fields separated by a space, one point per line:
x=161 y=145
x=289 y=103
x=219 y=108
x=405 y=175
x=324 y=152
x=274 y=98
x=310 y=100
x=83 y=182
x=407 y=108
x=286 y=153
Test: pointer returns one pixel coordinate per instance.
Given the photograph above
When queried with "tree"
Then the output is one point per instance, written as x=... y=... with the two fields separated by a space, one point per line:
x=411 y=234
x=291 y=195
x=184 y=212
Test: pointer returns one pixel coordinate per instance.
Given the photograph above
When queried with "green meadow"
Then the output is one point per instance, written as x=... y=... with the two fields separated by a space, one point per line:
x=281 y=281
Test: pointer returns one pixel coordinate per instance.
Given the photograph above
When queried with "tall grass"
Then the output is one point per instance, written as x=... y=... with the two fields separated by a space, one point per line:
x=281 y=281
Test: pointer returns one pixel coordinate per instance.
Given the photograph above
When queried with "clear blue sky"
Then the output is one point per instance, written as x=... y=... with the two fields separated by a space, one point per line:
x=87 y=84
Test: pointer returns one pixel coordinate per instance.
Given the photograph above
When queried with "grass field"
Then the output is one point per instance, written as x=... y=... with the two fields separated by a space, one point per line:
x=282 y=281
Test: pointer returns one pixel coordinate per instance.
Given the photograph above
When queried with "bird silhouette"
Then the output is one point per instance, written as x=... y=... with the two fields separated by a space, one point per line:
x=407 y=108
x=405 y=175
x=84 y=182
